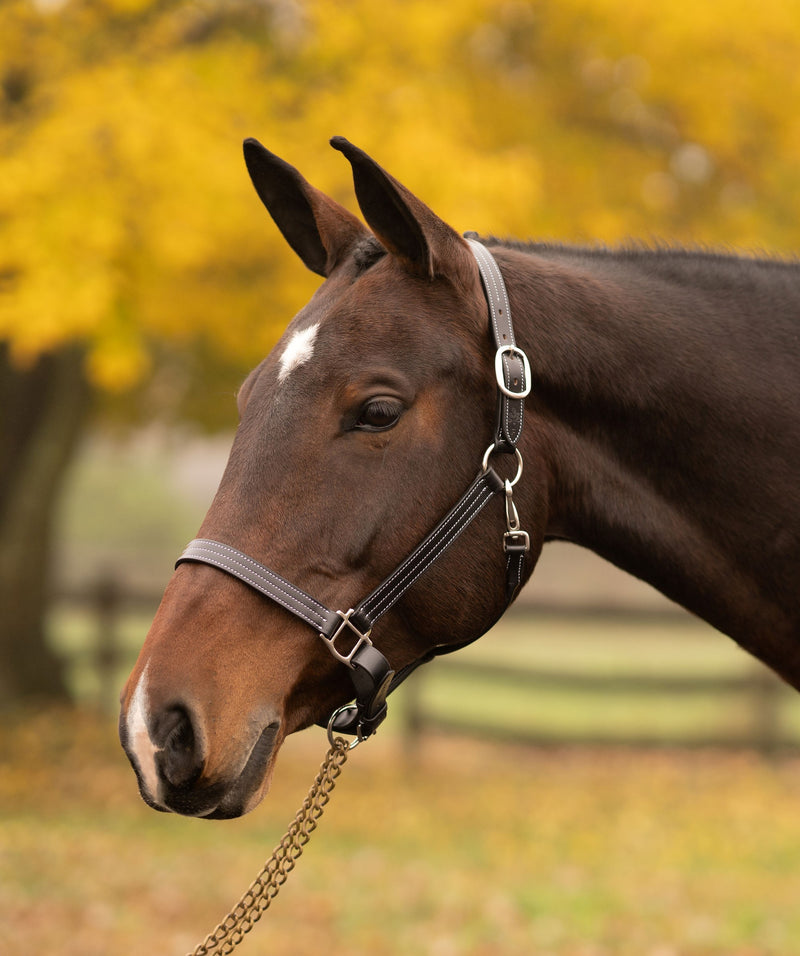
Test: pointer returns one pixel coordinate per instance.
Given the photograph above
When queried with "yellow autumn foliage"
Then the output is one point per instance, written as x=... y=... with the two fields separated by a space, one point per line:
x=127 y=220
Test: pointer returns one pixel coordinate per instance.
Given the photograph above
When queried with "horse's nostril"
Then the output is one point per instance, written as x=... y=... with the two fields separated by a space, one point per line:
x=180 y=760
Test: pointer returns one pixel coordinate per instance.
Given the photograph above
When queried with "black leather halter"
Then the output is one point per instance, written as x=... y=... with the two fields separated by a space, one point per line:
x=347 y=634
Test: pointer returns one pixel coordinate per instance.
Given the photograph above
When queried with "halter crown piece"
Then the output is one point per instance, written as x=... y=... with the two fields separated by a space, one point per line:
x=346 y=634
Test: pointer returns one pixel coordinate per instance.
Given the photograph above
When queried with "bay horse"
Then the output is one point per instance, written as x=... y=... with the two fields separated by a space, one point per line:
x=662 y=431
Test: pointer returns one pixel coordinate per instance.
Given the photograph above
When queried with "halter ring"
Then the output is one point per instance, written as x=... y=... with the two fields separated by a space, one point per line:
x=490 y=451
x=333 y=736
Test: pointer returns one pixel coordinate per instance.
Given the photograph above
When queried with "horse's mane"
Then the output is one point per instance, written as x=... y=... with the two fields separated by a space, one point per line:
x=659 y=256
x=635 y=250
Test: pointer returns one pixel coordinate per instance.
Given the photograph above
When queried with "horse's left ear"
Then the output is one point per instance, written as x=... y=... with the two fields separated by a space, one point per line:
x=319 y=230
x=404 y=224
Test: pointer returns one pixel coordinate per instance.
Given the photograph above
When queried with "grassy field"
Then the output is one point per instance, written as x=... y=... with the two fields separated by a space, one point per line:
x=469 y=849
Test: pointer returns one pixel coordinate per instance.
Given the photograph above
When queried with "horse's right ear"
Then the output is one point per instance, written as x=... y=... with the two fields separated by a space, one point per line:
x=425 y=244
x=319 y=230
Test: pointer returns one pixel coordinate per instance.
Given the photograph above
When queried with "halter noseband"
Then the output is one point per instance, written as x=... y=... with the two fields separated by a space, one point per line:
x=347 y=634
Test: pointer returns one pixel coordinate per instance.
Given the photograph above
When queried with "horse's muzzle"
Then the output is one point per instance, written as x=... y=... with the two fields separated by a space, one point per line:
x=169 y=753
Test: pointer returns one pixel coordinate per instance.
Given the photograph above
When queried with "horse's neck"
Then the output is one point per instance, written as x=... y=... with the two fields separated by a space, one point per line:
x=666 y=407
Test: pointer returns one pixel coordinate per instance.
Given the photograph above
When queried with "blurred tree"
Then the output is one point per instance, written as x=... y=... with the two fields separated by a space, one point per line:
x=136 y=265
x=42 y=410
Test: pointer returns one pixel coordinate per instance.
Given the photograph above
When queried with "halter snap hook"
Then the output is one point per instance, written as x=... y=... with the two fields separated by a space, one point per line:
x=515 y=540
x=512 y=515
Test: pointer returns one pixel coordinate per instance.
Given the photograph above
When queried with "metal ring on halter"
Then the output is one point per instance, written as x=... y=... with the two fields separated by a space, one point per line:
x=332 y=736
x=488 y=455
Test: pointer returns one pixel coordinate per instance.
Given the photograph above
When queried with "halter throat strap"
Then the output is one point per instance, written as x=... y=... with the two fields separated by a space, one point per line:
x=347 y=634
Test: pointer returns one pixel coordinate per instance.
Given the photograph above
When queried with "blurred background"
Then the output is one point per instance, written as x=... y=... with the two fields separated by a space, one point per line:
x=601 y=774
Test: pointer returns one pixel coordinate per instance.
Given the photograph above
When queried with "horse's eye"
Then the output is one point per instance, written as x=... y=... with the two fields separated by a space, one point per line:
x=378 y=415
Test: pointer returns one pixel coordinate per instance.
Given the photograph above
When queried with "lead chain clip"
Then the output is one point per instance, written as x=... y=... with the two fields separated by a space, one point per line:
x=515 y=540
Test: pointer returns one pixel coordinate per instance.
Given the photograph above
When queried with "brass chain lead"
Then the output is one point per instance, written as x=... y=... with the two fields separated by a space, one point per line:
x=266 y=886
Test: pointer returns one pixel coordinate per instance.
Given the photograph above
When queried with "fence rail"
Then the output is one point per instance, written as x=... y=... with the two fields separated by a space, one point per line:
x=760 y=693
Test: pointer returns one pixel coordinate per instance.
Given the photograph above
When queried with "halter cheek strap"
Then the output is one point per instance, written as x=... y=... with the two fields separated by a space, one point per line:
x=512 y=370
x=514 y=382
x=347 y=634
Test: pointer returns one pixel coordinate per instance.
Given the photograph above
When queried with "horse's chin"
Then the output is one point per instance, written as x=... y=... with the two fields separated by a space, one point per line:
x=221 y=800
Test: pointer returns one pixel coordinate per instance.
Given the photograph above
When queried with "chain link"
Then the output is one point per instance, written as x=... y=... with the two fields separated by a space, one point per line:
x=266 y=886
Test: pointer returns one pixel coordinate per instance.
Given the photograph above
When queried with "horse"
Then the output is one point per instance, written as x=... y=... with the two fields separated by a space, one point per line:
x=661 y=431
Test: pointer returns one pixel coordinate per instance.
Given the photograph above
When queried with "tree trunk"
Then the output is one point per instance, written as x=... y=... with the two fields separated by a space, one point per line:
x=42 y=409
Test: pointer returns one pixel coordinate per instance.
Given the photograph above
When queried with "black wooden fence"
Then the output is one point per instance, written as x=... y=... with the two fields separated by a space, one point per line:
x=758 y=691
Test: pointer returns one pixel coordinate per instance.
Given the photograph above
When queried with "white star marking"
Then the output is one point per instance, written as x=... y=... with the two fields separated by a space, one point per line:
x=299 y=350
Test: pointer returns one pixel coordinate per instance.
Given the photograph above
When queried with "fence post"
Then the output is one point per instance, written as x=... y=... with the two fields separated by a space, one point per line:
x=766 y=712
x=412 y=716
x=107 y=598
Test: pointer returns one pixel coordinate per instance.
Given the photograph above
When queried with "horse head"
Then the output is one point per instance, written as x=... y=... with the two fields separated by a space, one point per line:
x=356 y=434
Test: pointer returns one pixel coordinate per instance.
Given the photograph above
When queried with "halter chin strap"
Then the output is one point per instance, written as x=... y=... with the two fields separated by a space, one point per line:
x=346 y=634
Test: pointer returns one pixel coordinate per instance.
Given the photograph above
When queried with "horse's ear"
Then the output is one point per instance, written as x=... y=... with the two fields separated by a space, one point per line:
x=403 y=223
x=319 y=230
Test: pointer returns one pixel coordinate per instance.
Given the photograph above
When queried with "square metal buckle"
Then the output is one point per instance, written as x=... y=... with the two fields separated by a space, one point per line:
x=344 y=626
x=516 y=542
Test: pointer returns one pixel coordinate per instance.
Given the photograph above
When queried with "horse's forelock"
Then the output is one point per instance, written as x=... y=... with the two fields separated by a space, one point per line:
x=367 y=252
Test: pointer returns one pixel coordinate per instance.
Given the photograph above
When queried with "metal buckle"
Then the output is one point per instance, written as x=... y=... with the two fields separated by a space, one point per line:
x=516 y=542
x=330 y=642
x=498 y=371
